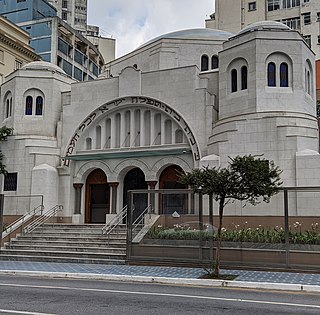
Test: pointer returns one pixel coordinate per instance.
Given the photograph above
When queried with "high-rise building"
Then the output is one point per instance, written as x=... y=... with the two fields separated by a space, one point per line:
x=53 y=39
x=300 y=15
x=74 y=12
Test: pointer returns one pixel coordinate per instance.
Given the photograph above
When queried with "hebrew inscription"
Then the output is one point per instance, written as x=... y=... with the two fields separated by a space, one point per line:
x=133 y=100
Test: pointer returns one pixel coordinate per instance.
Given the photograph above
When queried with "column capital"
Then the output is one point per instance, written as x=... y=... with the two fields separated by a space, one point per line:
x=77 y=185
x=151 y=183
x=113 y=184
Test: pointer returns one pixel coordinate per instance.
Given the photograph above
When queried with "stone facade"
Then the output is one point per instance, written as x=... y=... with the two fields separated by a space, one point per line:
x=184 y=100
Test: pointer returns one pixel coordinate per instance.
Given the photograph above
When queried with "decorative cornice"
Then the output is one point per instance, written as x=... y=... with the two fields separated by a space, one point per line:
x=17 y=46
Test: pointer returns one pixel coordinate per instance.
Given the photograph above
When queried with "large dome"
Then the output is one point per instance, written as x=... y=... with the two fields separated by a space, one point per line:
x=42 y=65
x=196 y=33
x=264 y=25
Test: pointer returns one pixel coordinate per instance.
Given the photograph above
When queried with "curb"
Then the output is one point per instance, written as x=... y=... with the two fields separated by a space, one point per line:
x=172 y=281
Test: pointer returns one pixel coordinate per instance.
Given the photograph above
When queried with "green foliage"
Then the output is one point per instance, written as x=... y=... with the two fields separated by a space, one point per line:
x=259 y=234
x=247 y=178
x=318 y=109
x=4 y=133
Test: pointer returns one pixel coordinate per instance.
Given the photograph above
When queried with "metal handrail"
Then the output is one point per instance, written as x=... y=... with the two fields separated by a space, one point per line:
x=115 y=222
x=140 y=219
x=42 y=219
x=19 y=222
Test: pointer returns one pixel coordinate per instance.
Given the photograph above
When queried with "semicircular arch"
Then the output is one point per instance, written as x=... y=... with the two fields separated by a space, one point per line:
x=84 y=170
x=125 y=166
x=160 y=165
x=104 y=110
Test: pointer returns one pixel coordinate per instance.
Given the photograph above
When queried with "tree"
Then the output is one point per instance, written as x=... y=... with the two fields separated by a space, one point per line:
x=4 y=133
x=247 y=178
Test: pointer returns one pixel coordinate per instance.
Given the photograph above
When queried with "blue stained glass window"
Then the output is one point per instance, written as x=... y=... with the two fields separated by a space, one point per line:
x=234 y=83
x=271 y=74
x=29 y=101
x=39 y=105
x=204 y=63
x=244 y=78
x=284 y=76
x=214 y=62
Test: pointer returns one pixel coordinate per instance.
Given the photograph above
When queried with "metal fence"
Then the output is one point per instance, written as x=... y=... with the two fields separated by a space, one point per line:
x=177 y=229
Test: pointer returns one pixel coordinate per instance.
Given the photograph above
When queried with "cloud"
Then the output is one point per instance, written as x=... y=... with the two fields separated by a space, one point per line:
x=133 y=22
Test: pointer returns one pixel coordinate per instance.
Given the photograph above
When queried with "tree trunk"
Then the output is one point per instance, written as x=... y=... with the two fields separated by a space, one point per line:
x=216 y=271
x=210 y=227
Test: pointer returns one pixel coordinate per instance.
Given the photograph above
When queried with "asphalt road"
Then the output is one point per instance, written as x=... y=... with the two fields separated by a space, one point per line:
x=30 y=296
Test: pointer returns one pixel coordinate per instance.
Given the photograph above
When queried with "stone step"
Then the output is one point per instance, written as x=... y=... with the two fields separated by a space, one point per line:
x=69 y=243
x=67 y=254
x=104 y=243
x=75 y=238
x=57 y=259
x=74 y=232
x=78 y=249
x=78 y=226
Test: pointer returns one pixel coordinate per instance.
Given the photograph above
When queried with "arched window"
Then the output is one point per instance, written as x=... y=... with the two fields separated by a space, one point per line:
x=234 y=83
x=271 y=74
x=7 y=105
x=244 y=78
x=98 y=137
x=29 y=101
x=39 y=105
x=10 y=107
x=308 y=82
x=284 y=75
x=168 y=132
x=204 y=63
x=7 y=108
x=214 y=62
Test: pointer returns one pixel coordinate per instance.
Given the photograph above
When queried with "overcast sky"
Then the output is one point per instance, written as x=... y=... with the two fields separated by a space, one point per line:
x=133 y=22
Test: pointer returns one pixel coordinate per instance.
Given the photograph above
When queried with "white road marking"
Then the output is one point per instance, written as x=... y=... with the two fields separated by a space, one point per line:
x=23 y=312
x=162 y=294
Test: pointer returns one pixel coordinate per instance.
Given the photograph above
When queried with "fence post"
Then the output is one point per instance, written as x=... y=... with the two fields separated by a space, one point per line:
x=129 y=224
x=286 y=225
x=200 y=224
x=1 y=218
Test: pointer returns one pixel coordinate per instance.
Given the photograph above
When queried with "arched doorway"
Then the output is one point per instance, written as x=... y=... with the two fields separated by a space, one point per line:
x=97 y=197
x=135 y=179
x=169 y=179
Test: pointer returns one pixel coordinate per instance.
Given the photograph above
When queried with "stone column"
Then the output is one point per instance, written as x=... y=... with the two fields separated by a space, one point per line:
x=152 y=129
x=151 y=198
x=77 y=208
x=142 y=129
x=114 y=190
x=132 y=130
x=103 y=134
x=122 y=129
x=113 y=132
x=163 y=130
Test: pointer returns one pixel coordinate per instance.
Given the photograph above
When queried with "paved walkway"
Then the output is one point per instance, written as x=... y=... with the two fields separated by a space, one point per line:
x=151 y=271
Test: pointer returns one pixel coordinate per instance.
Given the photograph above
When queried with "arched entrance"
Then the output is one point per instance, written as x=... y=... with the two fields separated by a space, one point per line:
x=169 y=179
x=135 y=179
x=97 y=197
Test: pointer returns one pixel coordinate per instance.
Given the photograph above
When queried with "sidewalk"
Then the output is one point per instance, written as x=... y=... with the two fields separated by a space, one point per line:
x=169 y=275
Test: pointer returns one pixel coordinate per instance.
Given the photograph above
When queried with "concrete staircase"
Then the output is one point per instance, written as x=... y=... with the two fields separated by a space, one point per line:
x=69 y=244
